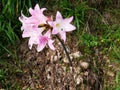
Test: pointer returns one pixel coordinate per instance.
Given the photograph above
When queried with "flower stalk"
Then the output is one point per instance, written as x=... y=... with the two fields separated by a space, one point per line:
x=66 y=52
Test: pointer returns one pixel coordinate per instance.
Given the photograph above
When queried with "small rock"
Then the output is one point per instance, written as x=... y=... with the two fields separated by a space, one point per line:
x=79 y=80
x=65 y=60
x=71 y=56
x=84 y=65
x=85 y=73
x=55 y=58
x=71 y=69
x=76 y=54
x=48 y=76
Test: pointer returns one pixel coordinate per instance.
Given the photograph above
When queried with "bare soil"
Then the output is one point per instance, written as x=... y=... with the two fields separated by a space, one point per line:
x=50 y=70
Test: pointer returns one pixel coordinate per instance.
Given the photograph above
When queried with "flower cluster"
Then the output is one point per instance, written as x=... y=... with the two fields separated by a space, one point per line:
x=34 y=27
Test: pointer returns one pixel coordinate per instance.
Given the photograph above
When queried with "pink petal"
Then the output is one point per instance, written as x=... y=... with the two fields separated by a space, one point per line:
x=63 y=35
x=31 y=11
x=43 y=9
x=40 y=46
x=50 y=44
x=32 y=33
x=24 y=34
x=69 y=27
x=27 y=33
x=68 y=20
x=37 y=8
x=48 y=33
x=22 y=18
x=33 y=40
x=55 y=31
x=30 y=43
x=50 y=23
x=58 y=15
x=50 y=19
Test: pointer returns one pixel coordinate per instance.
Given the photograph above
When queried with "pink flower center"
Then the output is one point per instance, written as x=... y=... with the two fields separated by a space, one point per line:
x=44 y=39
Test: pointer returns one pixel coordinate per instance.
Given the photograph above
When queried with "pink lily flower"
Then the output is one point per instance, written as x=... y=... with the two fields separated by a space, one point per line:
x=62 y=26
x=45 y=39
x=37 y=16
x=33 y=35
x=34 y=26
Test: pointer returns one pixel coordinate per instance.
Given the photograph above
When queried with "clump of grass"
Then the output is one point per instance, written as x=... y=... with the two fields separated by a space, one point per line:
x=9 y=37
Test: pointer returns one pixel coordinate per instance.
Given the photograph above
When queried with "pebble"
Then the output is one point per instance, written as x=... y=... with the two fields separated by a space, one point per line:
x=86 y=73
x=84 y=65
x=79 y=80
x=48 y=76
x=65 y=60
x=55 y=58
x=76 y=54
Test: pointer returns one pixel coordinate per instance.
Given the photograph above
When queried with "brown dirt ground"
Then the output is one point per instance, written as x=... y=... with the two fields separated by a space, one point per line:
x=50 y=70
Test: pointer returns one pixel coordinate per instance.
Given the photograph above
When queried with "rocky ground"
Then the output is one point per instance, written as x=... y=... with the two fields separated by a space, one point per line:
x=50 y=70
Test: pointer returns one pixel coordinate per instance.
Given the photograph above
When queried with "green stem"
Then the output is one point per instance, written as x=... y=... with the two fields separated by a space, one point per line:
x=67 y=54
